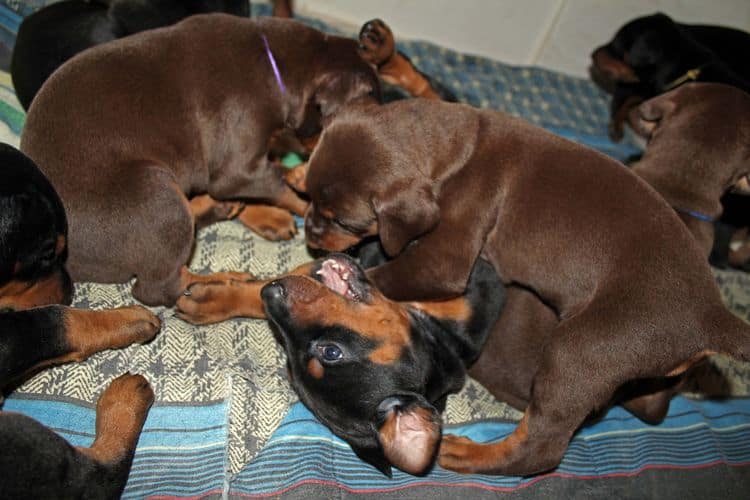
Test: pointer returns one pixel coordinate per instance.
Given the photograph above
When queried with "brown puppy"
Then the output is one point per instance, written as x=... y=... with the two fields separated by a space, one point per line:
x=443 y=184
x=127 y=131
x=699 y=147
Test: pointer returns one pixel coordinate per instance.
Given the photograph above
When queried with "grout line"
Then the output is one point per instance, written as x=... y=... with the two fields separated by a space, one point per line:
x=537 y=50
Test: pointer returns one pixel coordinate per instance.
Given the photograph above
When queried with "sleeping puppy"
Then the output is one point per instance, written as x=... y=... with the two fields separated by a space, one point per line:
x=57 y=32
x=698 y=149
x=653 y=54
x=445 y=184
x=34 y=334
x=168 y=114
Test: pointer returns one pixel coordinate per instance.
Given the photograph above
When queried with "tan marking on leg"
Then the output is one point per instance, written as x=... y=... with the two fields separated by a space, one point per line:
x=213 y=301
x=682 y=367
x=457 y=309
x=296 y=177
x=463 y=455
x=206 y=210
x=120 y=414
x=272 y=223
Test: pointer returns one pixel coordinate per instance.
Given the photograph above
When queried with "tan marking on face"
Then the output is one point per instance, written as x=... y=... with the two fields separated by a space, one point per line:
x=457 y=309
x=382 y=321
x=60 y=244
x=20 y=295
x=315 y=369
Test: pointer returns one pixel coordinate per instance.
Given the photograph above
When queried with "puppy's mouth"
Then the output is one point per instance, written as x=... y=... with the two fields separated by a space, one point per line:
x=342 y=275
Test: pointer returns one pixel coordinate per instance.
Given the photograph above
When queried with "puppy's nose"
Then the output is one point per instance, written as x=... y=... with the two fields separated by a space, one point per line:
x=273 y=293
x=311 y=228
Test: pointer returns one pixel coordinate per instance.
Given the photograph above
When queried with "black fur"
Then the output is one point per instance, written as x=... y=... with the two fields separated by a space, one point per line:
x=54 y=34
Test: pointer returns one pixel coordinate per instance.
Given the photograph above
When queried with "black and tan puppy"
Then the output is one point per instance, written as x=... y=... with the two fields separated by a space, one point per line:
x=444 y=184
x=164 y=115
x=653 y=54
x=698 y=149
x=57 y=32
x=375 y=371
x=34 y=461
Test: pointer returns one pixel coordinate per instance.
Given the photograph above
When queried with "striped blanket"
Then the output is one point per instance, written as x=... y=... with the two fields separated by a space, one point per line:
x=226 y=423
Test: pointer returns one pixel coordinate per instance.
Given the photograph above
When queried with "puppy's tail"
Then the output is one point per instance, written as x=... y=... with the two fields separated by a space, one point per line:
x=730 y=335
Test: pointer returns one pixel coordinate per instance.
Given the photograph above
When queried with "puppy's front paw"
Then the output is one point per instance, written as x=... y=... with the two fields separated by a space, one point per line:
x=272 y=223
x=295 y=178
x=211 y=302
x=376 y=42
x=139 y=325
x=458 y=453
x=127 y=391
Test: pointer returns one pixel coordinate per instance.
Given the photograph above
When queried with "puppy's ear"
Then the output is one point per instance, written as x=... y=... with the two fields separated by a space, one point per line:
x=409 y=432
x=405 y=212
x=336 y=89
x=648 y=114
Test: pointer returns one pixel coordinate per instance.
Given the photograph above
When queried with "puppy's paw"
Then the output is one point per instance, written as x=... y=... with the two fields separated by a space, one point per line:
x=205 y=303
x=211 y=302
x=131 y=393
x=458 y=453
x=376 y=42
x=139 y=325
x=295 y=178
x=272 y=223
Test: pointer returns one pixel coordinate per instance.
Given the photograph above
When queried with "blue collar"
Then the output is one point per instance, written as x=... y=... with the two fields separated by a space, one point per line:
x=696 y=214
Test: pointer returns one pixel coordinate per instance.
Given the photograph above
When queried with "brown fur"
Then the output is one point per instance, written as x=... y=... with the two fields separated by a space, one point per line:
x=699 y=147
x=631 y=291
x=127 y=131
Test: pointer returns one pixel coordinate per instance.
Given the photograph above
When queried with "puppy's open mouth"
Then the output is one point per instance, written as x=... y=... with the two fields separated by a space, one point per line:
x=344 y=277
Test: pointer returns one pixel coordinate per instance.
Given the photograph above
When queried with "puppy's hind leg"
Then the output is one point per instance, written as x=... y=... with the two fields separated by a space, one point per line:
x=574 y=379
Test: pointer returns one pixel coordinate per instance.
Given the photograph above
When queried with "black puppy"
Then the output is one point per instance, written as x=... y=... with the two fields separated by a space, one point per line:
x=406 y=357
x=34 y=461
x=653 y=54
x=54 y=34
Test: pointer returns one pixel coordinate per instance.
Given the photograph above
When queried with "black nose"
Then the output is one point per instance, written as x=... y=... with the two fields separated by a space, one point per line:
x=273 y=293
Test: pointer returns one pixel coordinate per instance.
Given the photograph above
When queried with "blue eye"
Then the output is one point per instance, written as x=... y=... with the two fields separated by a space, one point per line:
x=330 y=352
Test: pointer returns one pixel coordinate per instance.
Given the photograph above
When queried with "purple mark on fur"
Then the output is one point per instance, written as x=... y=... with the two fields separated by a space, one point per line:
x=273 y=65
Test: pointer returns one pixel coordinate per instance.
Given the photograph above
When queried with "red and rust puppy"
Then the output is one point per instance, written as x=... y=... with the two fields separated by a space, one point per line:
x=168 y=114
x=444 y=184
x=35 y=462
x=653 y=54
x=698 y=149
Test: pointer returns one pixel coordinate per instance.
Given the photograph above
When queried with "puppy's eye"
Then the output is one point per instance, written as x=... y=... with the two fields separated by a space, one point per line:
x=330 y=352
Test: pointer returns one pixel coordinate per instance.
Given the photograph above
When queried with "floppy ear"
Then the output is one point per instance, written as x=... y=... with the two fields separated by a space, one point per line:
x=335 y=89
x=409 y=432
x=404 y=213
x=650 y=113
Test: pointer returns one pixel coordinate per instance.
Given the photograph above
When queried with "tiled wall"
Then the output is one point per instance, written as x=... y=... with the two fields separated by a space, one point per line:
x=556 y=34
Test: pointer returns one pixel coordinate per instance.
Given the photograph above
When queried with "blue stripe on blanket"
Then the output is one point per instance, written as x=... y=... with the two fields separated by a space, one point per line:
x=695 y=434
x=181 y=451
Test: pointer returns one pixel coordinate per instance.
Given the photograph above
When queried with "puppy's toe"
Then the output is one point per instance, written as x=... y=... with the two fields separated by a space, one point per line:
x=456 y=453
x=205 y=303
x=376 y=43
x=127 y=391
x=272 y=223
x=139 y=324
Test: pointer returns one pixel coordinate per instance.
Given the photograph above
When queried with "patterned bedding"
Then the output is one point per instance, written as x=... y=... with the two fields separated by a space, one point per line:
x=226 y=423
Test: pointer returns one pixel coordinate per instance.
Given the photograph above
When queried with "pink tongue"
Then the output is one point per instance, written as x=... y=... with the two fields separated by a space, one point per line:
x=332 y=279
